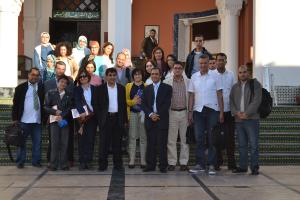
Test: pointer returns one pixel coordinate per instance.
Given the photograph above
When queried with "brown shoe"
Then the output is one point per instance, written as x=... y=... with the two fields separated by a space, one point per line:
x=184 y=168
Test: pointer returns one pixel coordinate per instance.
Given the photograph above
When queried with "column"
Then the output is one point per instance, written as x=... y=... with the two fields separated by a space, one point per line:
x=187 y=37
x=9 y=12
x=119 y=24
x=229 y=11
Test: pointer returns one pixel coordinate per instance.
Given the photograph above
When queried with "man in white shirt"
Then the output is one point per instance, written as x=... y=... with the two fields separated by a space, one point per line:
x=205 y=109
x=111 y=111
x=26 y=110
x=227 y=80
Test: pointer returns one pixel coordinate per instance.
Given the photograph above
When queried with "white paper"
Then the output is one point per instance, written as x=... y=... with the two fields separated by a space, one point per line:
x=75 y=113
x=52 y=118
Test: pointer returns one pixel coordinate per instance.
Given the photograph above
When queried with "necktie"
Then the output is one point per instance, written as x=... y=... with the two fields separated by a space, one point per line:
x=155 y=95
x=35 y=98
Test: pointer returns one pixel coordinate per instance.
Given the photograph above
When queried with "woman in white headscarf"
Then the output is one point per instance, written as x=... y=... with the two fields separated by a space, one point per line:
x=81 y=50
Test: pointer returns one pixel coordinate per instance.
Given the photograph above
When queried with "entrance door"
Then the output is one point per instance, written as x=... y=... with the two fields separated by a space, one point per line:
x=68 y=30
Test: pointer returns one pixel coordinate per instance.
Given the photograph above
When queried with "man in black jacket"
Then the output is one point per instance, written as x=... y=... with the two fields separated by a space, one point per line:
x=156 y=102
x=192 y=64
x=27 y=110
x=148 y=44
x=111 y=111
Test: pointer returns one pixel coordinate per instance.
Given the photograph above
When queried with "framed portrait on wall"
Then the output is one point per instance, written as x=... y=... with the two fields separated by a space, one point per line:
x=148 y=28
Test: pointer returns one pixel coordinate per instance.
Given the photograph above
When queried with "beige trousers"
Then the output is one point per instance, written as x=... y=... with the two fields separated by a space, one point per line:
x=136 y=130
x=178 y=123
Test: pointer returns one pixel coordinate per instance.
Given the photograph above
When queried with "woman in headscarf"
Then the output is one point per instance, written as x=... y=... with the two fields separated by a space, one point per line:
x=81 y=50
x=49 y=73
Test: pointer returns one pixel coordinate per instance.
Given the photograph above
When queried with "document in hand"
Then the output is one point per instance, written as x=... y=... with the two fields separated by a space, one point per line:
x=75 y=113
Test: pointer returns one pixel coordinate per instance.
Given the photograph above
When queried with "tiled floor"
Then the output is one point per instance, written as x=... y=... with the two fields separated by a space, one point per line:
x=274 y=183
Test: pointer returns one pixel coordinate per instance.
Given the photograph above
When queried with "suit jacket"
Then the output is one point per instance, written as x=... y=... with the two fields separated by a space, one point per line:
x=79 y=100
x=163 y=103
x=148 y=46
x=101 y=103
x=52 y=98
x=19 y=100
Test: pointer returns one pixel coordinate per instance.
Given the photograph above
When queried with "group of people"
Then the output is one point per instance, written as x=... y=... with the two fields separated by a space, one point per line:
x=82 y=89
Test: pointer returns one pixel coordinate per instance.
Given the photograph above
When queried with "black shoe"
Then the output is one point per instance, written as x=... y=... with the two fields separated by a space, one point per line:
x=171 y=167
x=52 y=168
x=239 y=170
x=184 y=168
x=20 y=166
x=82 y=167
x=131 y=166
x=217 y=168
x=65 y=168
x=148 y=169
x=254 y=172
x=119 y=168
x=38 y=165
x=233 y=167
x=102 y=169
x=163 y=170
x=143 y=166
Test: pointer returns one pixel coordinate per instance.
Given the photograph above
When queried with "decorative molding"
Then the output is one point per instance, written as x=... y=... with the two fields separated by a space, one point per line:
x=229 y=7
x=12 y=6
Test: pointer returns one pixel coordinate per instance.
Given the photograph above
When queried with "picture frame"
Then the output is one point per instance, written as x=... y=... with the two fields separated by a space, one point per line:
x=147 y=29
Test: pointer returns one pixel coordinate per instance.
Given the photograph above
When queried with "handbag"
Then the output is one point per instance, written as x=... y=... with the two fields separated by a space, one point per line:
x=13 y=136
x=190 y=135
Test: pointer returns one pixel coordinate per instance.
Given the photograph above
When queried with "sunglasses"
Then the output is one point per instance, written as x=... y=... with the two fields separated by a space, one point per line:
x=83 y=76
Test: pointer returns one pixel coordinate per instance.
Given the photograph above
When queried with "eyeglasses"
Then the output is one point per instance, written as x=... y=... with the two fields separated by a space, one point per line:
x=83 y=76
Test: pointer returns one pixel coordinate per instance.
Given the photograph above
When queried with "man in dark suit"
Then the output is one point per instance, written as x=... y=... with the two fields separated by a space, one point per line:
x=148 y=44
x=27 y=110
x=60 y=68
x=156 y=102
x=111 y=111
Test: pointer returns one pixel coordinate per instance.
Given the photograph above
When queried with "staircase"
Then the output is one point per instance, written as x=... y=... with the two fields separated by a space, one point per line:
x=279 y=138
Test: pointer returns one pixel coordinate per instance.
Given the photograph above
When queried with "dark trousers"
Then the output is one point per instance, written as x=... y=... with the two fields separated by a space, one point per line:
x=230 y=141
x=203 y=124
x=35 y=131
x=59 y=145
x=71 y=139
x=110 y=135
x=86 y=141
x=157 y=139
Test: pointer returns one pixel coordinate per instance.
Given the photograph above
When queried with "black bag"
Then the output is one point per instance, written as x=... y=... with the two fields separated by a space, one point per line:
x=218 y=136
x=13 y=136
x=265 y=107
x=190 y=135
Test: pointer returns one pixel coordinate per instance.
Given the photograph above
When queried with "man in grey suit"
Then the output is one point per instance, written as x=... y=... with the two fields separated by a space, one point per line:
x=60 y=68
x=123 y=73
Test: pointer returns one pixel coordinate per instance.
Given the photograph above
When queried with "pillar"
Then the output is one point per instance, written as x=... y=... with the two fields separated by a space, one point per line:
x=229 y=11
x=119 y=24
x=9 y=12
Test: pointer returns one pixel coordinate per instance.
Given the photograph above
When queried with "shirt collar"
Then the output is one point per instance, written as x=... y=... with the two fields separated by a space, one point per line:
x=115 y=86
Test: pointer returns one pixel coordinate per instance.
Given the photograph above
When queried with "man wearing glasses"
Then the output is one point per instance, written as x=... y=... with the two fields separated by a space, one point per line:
x=192 y=64
x=111 y=111
x=26 y=110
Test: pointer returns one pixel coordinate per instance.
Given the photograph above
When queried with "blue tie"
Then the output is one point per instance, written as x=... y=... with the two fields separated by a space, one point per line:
x=155 y=95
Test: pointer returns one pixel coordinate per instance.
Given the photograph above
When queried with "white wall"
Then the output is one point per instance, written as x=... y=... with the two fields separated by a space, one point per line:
x=276 y=39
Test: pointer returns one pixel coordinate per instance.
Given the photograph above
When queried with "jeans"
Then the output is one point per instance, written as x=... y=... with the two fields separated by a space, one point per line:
x=247 y=132
x=35 y=131
x=205 y=120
